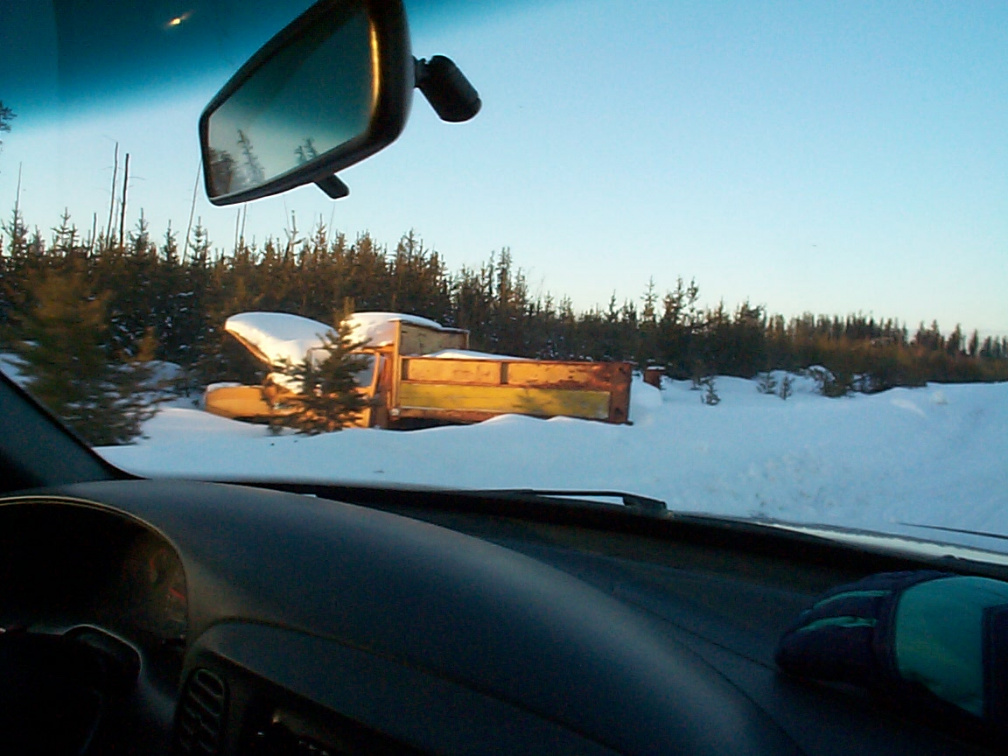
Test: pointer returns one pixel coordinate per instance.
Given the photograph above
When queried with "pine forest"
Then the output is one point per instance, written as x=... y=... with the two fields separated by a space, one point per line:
x=90 y=314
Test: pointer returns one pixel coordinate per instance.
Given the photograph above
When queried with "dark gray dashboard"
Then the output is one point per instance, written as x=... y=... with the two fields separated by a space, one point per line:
x=275 y=622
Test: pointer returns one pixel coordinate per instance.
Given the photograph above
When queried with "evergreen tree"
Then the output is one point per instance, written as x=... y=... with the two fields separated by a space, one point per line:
x=833 y=384
x=766 y=383
x=974 y=344
x=327 y=398
x=786 y=387
x=6 y=116
x=954 y=343
x=710 y=395
x=63 y=346
x=306 y=151
x=14 y=263
x=183 y=299
x=254 y=173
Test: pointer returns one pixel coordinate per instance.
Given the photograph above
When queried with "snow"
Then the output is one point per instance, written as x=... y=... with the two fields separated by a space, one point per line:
x=378 y=328
x=278 y=335
x=281 y=336
x=220 y=385
x=11 y=365
x=468 y=354
x=887 y=462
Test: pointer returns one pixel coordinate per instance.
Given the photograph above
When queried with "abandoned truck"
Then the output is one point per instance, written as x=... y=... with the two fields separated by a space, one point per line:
x=421 y=373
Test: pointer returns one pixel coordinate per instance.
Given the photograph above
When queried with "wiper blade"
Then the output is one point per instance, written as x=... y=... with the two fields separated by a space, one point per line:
x=963 y=531
x=631 y=500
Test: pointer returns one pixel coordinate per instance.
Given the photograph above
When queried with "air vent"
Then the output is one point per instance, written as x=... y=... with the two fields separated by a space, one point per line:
x=199 y=721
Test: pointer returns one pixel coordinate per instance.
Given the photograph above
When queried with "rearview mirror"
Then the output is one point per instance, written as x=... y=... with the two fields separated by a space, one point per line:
x=332 y=88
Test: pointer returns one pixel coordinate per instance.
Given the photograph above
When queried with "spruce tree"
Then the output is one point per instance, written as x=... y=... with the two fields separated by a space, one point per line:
x=62 y=341
x=6 y=116
x=327 y=398
x=710 y=395
x=766 y=383
x=786 y=387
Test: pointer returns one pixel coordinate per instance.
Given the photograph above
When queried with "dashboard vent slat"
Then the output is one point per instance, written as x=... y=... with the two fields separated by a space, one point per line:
x=199 y=721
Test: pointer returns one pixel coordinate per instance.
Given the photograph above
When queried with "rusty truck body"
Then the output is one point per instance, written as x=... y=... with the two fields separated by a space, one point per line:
x=420 y=373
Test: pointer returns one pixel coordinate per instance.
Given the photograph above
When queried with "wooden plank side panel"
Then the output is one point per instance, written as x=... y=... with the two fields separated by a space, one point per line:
x=435 y=370
x=416 y=339
x=599 y=376
x=538 y=402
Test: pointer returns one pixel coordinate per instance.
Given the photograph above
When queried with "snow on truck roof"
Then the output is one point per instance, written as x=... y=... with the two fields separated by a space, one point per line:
x=281 y=336
x=379 y=327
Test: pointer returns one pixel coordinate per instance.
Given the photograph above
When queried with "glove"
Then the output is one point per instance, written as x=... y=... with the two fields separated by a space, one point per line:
x=929 y=638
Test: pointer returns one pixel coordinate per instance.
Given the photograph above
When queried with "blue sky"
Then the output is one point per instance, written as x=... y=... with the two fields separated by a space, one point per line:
x=828 y=157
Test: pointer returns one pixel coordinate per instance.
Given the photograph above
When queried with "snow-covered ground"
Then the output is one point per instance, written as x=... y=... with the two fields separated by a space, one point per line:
x=886 y=462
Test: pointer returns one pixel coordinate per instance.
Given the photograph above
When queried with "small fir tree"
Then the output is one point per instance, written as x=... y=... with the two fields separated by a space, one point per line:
x=766 y=383
x=833 y=384
x=710 y=395
x=328 y=398
x=786 y=387
x=62 y=342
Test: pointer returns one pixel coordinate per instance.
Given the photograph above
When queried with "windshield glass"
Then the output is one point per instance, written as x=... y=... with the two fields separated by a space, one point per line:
x=746 y=259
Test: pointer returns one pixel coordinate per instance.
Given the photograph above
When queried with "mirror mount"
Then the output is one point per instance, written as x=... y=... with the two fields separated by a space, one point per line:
x=333 y=187
x=447 y=89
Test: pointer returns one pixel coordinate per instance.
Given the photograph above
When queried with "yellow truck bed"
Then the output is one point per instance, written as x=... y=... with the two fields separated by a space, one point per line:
x=470 y=390
x=411 y=383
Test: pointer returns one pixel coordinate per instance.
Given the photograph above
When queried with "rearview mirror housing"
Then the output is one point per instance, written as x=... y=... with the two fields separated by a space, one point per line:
x=332 y=88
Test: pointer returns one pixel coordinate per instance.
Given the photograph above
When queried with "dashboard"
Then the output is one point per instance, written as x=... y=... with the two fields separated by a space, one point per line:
x=66 y=562
x=198 y=618
x=103 y=594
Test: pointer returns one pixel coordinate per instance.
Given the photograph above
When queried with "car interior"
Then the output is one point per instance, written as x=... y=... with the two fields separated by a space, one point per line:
x=174 y=616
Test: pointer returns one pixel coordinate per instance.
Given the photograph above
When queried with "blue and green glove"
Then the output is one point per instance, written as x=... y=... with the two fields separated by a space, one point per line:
x=929 y=637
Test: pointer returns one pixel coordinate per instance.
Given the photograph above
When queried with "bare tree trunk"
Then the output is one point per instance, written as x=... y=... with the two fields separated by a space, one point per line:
x=111 y=207
x=17 y=199
x=291 y=232
x=237 y=226
x=192 y=211
x=122 y=208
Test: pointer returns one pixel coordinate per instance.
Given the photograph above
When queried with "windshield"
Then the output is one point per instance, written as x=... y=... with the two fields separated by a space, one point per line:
x=746 y=259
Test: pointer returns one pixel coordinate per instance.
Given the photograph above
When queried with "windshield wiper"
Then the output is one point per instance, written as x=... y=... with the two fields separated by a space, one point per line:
x=631 y=500
x=999 y=536
x=371 y=494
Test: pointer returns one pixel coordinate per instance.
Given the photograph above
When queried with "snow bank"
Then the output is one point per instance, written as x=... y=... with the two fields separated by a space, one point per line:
x=890 y=462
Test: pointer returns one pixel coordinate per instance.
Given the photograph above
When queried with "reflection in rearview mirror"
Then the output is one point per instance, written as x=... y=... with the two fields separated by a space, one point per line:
x=313 y=94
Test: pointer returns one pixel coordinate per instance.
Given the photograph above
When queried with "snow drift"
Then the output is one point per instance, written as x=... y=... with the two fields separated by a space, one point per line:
x=888 y=462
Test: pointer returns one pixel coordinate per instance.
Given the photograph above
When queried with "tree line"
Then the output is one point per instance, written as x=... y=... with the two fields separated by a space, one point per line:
x=133 y=299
